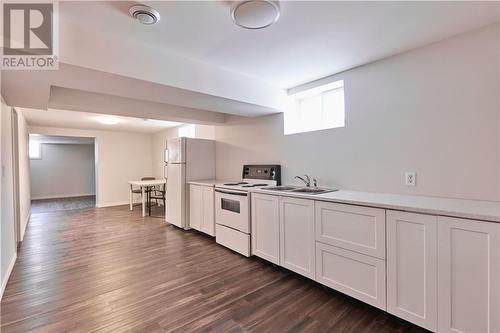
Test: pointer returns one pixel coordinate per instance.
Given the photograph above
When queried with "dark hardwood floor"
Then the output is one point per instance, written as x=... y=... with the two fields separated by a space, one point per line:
x=110 y=270
x=51 y=205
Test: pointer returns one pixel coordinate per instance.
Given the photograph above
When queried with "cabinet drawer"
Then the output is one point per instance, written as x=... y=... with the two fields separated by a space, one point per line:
x=233 y=239
x=354 y=274
x=355 y=228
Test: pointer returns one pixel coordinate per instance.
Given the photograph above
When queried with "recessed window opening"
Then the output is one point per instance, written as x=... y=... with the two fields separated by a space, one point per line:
x=34 y=150
x=316 y=109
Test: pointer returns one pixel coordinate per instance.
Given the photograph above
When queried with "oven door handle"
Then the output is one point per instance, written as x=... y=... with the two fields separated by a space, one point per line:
x=242 y=194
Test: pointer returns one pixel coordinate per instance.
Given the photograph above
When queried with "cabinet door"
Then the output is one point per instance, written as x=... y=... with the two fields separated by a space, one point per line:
x=195 y=209
x=207 y=208
x=354 y=228
x=468 y=276
x=352 y=273
x=266 y=227
x=297 y=251
x=412 y=267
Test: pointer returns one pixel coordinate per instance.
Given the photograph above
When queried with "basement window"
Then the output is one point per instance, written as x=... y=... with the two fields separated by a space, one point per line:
x=35 y=152
x=316 y=109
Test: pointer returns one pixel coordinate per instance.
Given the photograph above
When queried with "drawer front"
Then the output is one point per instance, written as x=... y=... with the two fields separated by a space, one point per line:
x=354 y=274
x=355 y=228
x=233 y=239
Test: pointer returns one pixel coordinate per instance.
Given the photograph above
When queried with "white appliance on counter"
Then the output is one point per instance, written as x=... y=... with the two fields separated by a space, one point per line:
x=188 y=159
x=232 y=206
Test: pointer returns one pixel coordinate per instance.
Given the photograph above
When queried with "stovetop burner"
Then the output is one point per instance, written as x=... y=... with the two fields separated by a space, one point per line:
x=235 y=183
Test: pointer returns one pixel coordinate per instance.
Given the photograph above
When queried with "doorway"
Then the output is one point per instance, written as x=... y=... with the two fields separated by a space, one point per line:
x=63 y=173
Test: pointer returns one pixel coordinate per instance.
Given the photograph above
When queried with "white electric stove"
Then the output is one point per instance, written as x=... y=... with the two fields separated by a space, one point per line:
x=232 y=206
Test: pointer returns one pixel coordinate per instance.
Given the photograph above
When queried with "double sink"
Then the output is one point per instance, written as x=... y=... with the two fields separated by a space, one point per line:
x=298 y=189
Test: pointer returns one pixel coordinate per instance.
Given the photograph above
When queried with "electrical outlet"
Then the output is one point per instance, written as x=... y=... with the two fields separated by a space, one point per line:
x=410 y=178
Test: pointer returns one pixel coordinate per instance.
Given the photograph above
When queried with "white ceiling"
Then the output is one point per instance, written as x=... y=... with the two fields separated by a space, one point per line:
x=85 y=120
x=196 y=65
x=312 y=39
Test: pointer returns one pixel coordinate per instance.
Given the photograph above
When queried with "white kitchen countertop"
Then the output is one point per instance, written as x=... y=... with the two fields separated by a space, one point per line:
x=209 y=182
x=469 y=209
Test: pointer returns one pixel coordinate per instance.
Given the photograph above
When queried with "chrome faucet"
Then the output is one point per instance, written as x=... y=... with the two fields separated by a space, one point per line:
x=307 y=180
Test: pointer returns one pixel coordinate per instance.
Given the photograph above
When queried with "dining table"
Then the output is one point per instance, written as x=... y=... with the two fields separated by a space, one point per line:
x=144 y=185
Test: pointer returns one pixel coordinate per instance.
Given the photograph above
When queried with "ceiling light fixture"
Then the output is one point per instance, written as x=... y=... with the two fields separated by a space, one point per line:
x=108 y=120
x=255 y=14
x=144 y=14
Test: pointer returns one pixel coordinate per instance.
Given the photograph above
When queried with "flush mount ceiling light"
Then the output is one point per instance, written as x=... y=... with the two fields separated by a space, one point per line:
x=108 y=120
x=255 y=14
x=144 y=14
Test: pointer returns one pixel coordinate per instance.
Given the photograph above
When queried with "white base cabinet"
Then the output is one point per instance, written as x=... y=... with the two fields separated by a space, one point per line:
x=440 y=273
x=297 y=235
x=469 y=276
x=266 y=227
x=201 y=208
x=412 y=268
x=354 y=274
x=195 y=208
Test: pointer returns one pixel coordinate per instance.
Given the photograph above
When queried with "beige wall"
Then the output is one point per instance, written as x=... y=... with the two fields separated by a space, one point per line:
x=434 y=110
x=121 y=156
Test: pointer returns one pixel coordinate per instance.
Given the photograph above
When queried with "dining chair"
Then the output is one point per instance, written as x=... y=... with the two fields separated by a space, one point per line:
x=157 y=194
x=139 y=190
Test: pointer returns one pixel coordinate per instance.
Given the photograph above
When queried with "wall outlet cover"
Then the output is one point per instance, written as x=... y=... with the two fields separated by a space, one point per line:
x=410 y=178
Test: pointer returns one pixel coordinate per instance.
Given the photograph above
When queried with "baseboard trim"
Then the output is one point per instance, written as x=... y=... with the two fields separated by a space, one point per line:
x=24 y=226
x=119 y=203
x=111 y=204
x=62 y=196
x=7 y=275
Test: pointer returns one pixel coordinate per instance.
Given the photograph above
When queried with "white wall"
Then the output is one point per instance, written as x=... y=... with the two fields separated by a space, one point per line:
x=24 y=173
x=434 y=110
x=160 y=139
x=72 y=164
x=8 y=242
x=121 y=156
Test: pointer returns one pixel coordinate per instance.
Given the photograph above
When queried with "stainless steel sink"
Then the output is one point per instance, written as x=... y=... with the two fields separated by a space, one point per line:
x=312 y=190
x=297 y=189
x=280 y=188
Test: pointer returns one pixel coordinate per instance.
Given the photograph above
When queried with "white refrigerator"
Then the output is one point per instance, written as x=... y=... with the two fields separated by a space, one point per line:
x=188 y=159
